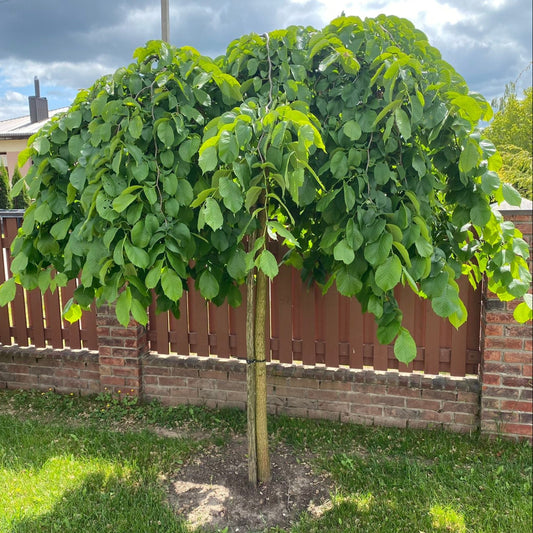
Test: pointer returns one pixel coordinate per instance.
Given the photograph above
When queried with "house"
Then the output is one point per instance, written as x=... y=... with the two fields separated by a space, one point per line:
x=15 y=132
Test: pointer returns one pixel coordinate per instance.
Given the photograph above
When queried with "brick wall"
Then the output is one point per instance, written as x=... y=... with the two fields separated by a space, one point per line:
x=507 y=357
x=363 y=397
x=498 y=402
x=64 y=371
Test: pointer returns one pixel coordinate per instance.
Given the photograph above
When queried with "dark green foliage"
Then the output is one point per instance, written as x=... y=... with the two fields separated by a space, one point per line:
x=21 y=200
x=5 y=201
x=357 y=144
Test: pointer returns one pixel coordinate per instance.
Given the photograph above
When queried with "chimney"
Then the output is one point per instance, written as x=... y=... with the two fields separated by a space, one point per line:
x=38 y=105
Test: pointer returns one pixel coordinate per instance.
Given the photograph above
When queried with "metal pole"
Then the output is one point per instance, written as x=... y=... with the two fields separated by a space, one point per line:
x=164 y=20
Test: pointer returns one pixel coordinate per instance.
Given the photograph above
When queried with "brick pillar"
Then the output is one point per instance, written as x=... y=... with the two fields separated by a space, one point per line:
x=507 y=360
x=120 y=352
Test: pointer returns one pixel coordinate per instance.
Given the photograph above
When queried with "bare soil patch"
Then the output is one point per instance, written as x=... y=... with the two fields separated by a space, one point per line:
x=213 y=492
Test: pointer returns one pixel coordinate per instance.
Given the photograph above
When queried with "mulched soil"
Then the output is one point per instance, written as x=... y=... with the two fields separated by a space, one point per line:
x=213 y=491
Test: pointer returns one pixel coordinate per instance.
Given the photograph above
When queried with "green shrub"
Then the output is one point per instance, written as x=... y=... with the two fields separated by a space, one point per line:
x=22 y=200
x=5 y=201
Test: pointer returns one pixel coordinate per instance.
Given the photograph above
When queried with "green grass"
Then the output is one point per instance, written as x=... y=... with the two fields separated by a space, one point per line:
x=73 y=464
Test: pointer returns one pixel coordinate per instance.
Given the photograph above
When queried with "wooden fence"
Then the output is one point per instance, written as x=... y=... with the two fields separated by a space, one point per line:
x=303 y=325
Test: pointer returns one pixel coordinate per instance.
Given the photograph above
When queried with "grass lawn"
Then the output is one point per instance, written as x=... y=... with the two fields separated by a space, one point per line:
x=70 y=464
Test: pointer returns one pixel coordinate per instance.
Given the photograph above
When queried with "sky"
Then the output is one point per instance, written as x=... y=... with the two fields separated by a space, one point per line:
x=68 y=44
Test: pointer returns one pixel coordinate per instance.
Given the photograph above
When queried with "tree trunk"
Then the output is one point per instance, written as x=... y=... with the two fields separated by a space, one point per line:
x=250 y=379
x=263 y=459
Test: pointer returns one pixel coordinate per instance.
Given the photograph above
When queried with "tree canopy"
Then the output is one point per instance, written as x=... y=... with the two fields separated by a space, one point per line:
x=511 y=133
x=355 y=145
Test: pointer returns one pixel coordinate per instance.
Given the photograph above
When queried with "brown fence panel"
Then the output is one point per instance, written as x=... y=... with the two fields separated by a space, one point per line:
x=34 y=319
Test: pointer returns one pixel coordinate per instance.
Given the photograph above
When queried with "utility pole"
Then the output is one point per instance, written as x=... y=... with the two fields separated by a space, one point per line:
x=164 y=20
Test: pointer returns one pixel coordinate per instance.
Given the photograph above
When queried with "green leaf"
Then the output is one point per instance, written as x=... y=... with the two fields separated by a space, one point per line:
x=480 y=214
x=208 y=159
x=343 y=252
x=165 y=133
x=153 y=276
x=184 y=192
x=138 y=311
x=403 y=123
x=389 y=274
x=349 y=197
x=208 y=285
x=490 y=182
x=72 y=311
x=136 y=255
x=78 y=177
x=252 y=194
x=237 y=264
x=354 y=237
x=123 y=201
x=352 y=130
x=347 y=283
x=171 y=284
x=382 y=173
x=135 y=126
x=212 y=214
x=123 y=307
x=523 y=311
x=423 y=247
x=268 y=264
x=42 y=145
x=170 y=184
x=231 y=194
x=511 y=195
x=469 y=157
x=405 y=347
x=376 y=253
x=60 y=229
x=8 y=290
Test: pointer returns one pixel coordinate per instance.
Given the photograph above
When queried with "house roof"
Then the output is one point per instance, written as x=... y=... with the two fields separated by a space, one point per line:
x=22 y=127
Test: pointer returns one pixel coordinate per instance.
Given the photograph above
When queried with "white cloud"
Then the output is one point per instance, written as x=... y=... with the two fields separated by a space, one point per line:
x=13 y=97
x=75 y=75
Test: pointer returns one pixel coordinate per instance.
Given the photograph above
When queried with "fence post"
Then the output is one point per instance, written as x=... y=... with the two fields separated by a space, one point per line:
x=120 y=351
x=506 y=355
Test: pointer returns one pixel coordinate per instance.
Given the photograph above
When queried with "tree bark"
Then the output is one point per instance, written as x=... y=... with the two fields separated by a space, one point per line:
x=250 y=379
x=263 y=459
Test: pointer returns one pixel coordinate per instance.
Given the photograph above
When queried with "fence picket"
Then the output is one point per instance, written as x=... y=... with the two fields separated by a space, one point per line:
x=302 y=325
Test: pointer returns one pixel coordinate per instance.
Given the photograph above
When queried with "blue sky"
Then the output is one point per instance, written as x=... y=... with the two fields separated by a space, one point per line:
x=69 y=44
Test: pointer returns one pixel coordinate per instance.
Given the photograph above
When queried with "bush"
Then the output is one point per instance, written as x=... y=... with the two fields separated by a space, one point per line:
x=5 y=201
x=22 y=200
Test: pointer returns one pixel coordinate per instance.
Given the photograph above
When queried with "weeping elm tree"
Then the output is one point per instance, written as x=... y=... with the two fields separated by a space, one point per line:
x=355 y=146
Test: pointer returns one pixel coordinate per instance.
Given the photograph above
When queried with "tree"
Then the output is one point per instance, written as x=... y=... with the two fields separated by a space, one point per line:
x=511 y=133
x=5 y=201
x=355 y=146
x=22 y=200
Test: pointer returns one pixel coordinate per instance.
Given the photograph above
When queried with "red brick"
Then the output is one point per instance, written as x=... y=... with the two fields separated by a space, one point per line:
x=525 y=430
x=436 y=417
x=67 y=373
x=525 y=407
x=465 y=419
x=527 y=370
x=493 y=330
x=439 y=394
x=517 y=356
x=456 y=407
x=499 y=318
x=127 y=371
x=492 y=355
x=501 y=368
x=405 y=392
x=112 y=361
x=516 y=381
x=372 y=410
x=113 y=380
x=173 y=381
x=432 y=405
